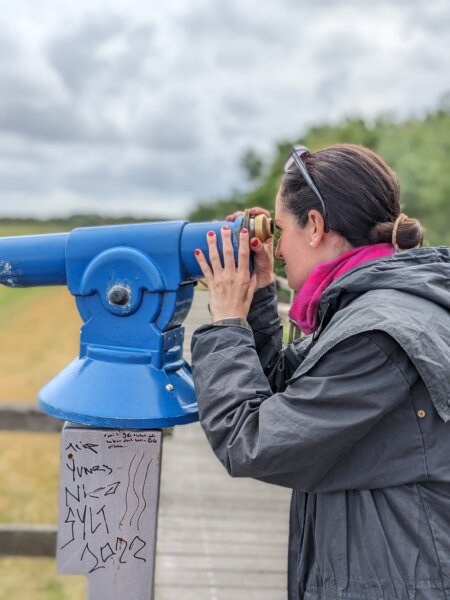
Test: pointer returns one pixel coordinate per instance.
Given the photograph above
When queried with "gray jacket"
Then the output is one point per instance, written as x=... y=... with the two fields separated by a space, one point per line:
x=355 y=421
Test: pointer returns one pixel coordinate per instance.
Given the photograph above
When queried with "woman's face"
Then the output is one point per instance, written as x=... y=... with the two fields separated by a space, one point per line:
x=294 y=246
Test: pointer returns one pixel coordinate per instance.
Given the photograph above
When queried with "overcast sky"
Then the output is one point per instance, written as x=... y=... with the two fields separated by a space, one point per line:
x=144 y=107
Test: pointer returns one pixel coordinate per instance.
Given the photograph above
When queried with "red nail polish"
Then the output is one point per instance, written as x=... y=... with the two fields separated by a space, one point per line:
x=243 y=230
x=225 y=228
x=254 y=242
x=210 y=233
x=197 y=252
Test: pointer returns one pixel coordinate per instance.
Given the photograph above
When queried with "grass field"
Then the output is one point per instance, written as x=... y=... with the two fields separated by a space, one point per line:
x=39 y=335
x=32 y=229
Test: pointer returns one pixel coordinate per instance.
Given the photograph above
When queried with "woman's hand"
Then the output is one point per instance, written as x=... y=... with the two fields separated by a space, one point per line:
x=263 y=251
x=231 y=288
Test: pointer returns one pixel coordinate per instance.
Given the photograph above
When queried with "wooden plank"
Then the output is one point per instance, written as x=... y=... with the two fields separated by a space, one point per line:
x=226 y=564
x=212 y=592
x=27 y=417
x=27 y=540
x=219 y=538
x=247 y=580
x=234 y=548
x=223 y=524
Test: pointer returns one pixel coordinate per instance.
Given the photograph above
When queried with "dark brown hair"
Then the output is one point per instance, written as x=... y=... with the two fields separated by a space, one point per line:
x=361 y=194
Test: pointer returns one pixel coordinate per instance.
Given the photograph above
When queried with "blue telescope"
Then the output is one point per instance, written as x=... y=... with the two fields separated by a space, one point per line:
x=133 y=286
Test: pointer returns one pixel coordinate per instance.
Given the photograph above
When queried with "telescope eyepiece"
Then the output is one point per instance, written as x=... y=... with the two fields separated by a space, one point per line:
x=259 y=226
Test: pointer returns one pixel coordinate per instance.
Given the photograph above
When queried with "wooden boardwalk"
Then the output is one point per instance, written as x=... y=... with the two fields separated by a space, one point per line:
x=218 y=538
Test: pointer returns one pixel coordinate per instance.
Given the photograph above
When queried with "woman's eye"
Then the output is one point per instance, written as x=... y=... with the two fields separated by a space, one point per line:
x=277 y=234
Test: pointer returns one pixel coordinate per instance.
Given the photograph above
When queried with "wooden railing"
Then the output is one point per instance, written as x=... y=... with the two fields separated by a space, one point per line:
x=17 y=539
x=40 y=540
x=27 y=540
x=17 y=417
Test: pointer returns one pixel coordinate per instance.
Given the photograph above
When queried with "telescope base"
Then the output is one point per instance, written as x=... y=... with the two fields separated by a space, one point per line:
x=111 y=394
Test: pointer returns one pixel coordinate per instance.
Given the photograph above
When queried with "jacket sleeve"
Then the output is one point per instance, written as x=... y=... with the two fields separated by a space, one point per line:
x=266 y=324
x=277 y=361
x=295 y=437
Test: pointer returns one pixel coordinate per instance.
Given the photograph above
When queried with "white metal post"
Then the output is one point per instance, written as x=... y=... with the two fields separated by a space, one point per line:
x=108 y=509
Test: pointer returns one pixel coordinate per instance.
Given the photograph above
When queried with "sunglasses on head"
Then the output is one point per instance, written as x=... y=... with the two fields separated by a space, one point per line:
x=297 y=157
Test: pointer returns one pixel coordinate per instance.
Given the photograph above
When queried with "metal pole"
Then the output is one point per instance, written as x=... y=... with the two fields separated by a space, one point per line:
x=109 y=491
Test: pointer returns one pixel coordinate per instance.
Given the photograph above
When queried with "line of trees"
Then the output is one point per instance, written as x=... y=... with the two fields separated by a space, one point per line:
x=418 y=149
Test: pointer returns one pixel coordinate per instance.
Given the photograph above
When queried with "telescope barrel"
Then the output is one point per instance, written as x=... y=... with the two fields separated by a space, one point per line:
x=194 y=236
x=61 y=258
x=33 y=260
x=37 y=260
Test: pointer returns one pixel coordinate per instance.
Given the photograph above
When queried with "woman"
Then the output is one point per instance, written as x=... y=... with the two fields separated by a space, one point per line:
x=354 y=418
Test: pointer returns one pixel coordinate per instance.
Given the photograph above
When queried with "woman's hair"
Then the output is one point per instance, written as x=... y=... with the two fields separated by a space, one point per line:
x=361 y=194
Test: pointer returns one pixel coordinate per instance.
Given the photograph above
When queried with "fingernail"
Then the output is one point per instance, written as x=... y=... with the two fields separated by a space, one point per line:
x=225 y=228
x=197 y=252
x=210 y=233
x=254 y=242
x=243 y=230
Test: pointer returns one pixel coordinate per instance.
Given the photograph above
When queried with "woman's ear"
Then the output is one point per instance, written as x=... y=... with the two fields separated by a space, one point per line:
x=316 y=227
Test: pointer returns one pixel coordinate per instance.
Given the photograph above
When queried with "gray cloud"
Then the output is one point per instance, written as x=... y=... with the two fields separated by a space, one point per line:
x=30 y=182
x=241 y=107
x=231 y=20
x=430 y=17
x=340 y=48
x=146 y=176
x=72 y=52
x=151 y=109
x=49 y=123
x=174 y=125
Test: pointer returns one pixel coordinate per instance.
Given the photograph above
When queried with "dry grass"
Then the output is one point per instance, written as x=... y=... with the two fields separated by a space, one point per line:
x=36 y=579
x=39 y=335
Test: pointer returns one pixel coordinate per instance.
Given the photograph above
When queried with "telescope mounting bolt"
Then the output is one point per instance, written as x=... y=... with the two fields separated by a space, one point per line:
x=119 y=295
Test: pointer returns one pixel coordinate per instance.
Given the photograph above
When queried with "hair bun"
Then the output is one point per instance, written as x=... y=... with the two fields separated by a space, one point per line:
x=404 y=233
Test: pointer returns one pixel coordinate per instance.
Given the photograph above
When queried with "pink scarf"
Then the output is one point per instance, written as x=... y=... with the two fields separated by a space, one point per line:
x=304 y=308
